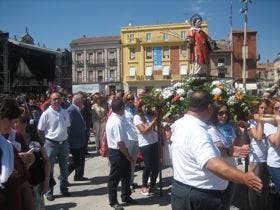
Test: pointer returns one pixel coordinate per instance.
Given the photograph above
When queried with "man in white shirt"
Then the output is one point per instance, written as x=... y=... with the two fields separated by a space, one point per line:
x=118 y=156
x=52 y=129
x=199 y=173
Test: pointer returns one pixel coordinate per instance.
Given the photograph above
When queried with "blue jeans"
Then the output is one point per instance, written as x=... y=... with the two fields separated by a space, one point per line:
x=61 y=152
x=275 y=176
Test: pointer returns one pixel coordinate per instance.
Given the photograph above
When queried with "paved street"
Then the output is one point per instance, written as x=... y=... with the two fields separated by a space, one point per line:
x=92 y=195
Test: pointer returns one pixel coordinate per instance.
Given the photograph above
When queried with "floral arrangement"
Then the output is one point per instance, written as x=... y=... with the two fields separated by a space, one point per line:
x=173 y=100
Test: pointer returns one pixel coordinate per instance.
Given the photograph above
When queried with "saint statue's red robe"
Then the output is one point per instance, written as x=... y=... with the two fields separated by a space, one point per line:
x=199 y=46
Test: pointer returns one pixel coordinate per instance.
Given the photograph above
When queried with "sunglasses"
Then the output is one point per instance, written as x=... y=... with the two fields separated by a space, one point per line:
x=129 y=99
x=222 y=113
x=277 y=108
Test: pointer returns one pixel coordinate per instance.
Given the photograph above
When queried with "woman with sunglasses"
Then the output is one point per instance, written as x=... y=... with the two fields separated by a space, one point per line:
x=224 y=137
x=145 y=123
x=129 y=113
x=272 y=132
x=258 y=156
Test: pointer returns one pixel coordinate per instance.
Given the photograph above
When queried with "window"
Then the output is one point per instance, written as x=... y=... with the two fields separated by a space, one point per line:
x=221 y=62
x=183 y=69
x=100 y=76
x=112 y=74
x=132 y=71
x=131 y=38
x=148 y=37
x=79 y=77
x=148 y=71
x=79 y=57
x=112 y=55
x=149 y=53
x=165 y=71
x=90 y=57
x=90 y=76
x=132 y=53
x=165 y=36
x=183 y=52
x=183 y=35
x=165 y=52
x=99 y=57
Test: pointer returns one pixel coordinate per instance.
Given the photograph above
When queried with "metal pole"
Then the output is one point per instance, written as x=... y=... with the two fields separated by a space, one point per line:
x=244 y=51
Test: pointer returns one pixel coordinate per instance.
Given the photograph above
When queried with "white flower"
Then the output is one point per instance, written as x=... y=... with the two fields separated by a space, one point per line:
x=178 y=85
x=182 y=99
x=216 y=91
x=167 y=92
x=231 y=100
x=158 y=90
x=180 y=92
x=216 y=83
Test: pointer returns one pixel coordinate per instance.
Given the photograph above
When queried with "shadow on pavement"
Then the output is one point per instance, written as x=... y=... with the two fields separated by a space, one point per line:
x=99 y=180
x=61 y=206
x=163 y=200
x=90 y=192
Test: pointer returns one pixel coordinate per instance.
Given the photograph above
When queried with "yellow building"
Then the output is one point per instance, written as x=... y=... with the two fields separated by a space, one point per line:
x=155 y=55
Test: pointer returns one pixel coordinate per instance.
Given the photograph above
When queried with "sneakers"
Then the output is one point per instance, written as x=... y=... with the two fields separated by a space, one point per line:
x=117 y=206
x=144 y=191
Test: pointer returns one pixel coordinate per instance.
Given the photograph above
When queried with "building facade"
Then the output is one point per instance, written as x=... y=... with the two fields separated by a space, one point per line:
x=220 y=59
x=155 y=55
x=265 y=75
x=251 y=57
x=63 y=72
x=276 y=67
x=96 y=64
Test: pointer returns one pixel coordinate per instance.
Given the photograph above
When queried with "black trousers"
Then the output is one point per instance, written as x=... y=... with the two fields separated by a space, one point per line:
x=119 y=171
x=77 y=162
x=151 y=160
x=185 y=197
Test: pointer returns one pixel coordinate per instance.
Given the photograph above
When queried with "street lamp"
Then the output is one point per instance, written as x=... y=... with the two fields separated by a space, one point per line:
x=245 y=47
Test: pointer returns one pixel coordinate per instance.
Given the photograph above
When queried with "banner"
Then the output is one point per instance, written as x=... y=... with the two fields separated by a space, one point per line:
x=157 y=58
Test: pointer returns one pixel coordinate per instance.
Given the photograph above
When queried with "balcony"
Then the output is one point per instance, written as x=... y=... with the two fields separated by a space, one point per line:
x=112 y=62
x=80 y=64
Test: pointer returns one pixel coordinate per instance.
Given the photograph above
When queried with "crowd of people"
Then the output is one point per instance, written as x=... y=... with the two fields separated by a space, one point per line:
x=205 y=147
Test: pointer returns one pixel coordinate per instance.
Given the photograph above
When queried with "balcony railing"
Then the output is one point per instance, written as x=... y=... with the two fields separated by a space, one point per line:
x=112 y=62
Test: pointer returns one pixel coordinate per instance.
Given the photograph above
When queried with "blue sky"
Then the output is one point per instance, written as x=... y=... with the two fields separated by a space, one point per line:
x=56 y=22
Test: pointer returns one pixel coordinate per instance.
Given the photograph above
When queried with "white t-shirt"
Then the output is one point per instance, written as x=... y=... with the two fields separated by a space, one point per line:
x=116 y=131
x=54 y=124
x=258 y=148
x=131 y=129
x=217 y=137
x=273 y=153
x=148 y=138
x=192 y=147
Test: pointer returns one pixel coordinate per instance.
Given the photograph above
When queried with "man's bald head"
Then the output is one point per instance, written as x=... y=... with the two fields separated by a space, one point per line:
x=199 y=101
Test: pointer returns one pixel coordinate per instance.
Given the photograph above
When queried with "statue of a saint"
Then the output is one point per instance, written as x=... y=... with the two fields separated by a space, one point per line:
x=199 y=44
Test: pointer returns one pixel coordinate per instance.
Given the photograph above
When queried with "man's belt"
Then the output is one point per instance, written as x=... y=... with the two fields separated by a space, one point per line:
x=57 y=142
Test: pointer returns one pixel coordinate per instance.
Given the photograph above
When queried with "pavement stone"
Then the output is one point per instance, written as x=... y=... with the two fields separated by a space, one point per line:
x=92 y=194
